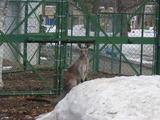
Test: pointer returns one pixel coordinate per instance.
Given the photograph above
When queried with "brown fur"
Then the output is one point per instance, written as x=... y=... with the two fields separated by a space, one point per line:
x=77 y=72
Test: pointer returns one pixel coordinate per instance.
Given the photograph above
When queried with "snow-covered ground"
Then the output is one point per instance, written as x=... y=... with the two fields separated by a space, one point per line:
x=118 y=98
x=133 y=53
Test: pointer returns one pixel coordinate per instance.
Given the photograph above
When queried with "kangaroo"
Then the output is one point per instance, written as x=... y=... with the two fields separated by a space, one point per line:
x=73 y=75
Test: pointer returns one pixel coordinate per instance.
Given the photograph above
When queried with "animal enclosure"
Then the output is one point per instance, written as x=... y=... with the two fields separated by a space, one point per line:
x=39 y=40
x=40 y=37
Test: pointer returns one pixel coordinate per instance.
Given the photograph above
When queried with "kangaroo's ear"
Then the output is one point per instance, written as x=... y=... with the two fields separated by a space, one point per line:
x=79 y=45
x=87 y=45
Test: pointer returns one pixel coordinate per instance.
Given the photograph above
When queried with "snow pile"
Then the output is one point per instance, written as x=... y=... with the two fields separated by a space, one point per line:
x=119 y=98
x=138 y=33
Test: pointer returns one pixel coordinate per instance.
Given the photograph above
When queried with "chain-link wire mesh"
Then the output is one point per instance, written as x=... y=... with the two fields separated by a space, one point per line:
x=21 y=56
x=126 y=59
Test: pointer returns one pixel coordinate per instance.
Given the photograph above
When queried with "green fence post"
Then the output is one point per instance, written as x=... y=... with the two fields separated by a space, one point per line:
x=61 y=30
x=25 y=31
x=157 y=52
x=141 y=56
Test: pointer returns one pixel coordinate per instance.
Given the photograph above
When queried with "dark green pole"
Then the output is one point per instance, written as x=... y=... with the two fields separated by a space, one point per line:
x=97 y=46
x=157 y=71
x=141 y=56
x=25 y=31
x=61 y=30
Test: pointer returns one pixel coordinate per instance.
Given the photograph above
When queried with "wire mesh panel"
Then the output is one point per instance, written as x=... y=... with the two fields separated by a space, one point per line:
x=141 y=57
x=35 y=78
x=43 y=36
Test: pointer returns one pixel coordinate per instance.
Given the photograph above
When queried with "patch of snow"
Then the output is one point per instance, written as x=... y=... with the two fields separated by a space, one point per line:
x=43 y=58
x=118 y=98
x=138 y=33
x=7 y=67
x=78 y=30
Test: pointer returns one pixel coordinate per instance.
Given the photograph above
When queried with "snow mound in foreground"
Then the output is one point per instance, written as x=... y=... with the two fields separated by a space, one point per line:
x=119 y=98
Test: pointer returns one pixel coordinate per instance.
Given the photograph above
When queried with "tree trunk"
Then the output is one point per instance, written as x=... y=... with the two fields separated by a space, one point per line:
x=3 y=9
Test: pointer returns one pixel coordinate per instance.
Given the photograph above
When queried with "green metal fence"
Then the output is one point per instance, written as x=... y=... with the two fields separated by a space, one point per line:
x=33 y=46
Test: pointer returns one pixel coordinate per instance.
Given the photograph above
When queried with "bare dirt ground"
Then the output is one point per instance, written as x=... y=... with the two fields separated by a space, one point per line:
x=17 y=107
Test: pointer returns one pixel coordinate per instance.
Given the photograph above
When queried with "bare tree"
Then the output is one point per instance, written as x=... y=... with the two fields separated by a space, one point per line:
x=123 y=6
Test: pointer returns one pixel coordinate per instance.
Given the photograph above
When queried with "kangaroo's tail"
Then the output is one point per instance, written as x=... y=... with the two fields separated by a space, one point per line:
x=48 y=100
x=56 y=100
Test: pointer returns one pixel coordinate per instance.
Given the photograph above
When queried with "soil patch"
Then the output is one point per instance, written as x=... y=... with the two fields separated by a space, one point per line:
x=17 y=107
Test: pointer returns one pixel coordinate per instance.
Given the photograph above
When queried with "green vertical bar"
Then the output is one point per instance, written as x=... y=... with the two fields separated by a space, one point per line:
x=61 y=30
x=112 y=59
x=25 y=31
x=72 y=18
x=94 y=58
x=41 y=30
x=97 y=58
x=56 y=68
x=141 y=57
x=97 y=62
x=71 y=53
x=120 y=61
x=157 y=52
x=87 y=25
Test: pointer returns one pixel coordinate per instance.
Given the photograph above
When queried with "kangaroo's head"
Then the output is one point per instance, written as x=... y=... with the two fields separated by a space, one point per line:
x=83 y=50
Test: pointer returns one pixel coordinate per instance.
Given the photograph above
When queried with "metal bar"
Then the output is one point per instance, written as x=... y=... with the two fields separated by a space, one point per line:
x=56 y=66
x=25 y=31
x=38 y=49
x=71 y=53
x=13 y=52
x=51 y=38
x=33 y=69
x=85 y=10
x=33 y=1
x=97 y=46
x=97 y=57
x=36 y=67
x=157 y=54
x=15 y=56
x=34 y=13
x=17 y=93
x=120 y=61
x=61 y=30
x=141 y=56
x=72 y=21
x=94 y=58
x=26 y=17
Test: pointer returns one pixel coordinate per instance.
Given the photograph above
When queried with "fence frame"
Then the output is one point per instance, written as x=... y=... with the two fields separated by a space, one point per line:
x=60 y=37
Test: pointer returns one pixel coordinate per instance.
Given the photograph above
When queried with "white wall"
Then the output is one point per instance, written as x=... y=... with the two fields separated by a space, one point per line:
x=16 y=13
x=2 y=16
